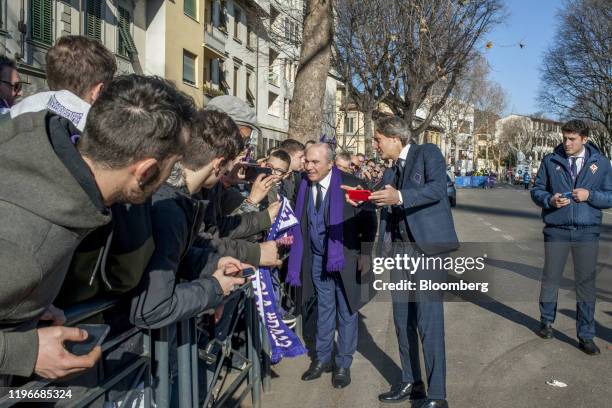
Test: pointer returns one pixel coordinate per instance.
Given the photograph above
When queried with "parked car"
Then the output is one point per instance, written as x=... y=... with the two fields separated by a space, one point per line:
x=451 y=191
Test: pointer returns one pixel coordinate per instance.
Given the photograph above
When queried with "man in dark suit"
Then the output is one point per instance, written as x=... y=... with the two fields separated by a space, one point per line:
x=332 y=232
x=416 y=211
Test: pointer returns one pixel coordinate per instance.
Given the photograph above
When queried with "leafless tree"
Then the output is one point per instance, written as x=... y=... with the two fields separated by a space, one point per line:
x=577 y=68
x=365 y=51
x=517 y=134
x=437 y=40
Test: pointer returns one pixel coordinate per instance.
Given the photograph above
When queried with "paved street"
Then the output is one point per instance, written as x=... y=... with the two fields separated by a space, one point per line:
x=494 y=359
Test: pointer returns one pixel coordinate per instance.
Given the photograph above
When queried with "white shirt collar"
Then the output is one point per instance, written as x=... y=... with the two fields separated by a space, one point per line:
x=404 y=153
x=325 y=182
x=581 y=154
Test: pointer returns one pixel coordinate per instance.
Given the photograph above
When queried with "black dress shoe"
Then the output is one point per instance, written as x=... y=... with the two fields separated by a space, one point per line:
x=546 y=331
x=403 y=391
x=431 y=403
x=316 y=369
x=341 y=377
x=589 y=347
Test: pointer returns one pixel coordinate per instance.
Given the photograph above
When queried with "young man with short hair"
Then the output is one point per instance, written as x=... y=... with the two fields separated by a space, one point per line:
x=52 y=194
x=343 y=162
x=161 y=299
x=296 y=152
x=573 y=186
x=78 y=68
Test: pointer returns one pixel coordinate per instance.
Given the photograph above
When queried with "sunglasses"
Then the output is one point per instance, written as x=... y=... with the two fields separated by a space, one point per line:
x=16 y=86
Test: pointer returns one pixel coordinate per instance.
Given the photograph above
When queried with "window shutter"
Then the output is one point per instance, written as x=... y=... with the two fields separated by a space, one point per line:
x=189 y=8
x=126 y=46
x=93 y=22
x=189 y=67
x=41 y=20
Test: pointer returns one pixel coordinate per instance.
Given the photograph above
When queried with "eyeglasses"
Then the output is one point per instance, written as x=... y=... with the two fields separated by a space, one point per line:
x=278 y=172
x=16 y=86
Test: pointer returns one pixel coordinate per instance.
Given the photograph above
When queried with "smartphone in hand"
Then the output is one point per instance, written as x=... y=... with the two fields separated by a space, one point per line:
x=253 y=171
x=96 y=335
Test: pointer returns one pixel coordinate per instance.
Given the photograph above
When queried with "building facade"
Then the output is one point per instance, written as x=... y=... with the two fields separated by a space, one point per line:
x=29 y=28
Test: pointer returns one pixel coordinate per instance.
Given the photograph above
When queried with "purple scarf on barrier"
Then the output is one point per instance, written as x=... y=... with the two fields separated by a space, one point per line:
x=335 y=238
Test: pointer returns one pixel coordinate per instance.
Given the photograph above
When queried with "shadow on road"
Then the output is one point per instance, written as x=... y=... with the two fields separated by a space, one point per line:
x=602 y=332
x=375 y=355
x=488 y=303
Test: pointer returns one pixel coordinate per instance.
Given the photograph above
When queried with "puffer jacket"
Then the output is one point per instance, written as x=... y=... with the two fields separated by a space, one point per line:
x=554 y=176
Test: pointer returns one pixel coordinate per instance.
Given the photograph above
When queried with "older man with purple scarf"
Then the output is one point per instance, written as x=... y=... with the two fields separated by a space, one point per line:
x=325 y=255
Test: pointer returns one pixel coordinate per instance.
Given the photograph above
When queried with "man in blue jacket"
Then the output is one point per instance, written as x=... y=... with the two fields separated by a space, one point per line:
x=573 y=185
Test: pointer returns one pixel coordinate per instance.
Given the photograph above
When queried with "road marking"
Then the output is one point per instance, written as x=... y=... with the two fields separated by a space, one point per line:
x=495 y=229
x=508 y=237
x=488 y=224
x=523 y=247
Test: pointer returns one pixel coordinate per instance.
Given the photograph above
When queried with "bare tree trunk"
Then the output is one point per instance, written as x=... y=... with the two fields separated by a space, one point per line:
x=306 y=110
x=368 y=132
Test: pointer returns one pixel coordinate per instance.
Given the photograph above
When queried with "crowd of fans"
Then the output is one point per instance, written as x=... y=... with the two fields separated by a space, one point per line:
x=121 y=186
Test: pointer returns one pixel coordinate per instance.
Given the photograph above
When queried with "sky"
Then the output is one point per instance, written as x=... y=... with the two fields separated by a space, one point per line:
x=533 y=23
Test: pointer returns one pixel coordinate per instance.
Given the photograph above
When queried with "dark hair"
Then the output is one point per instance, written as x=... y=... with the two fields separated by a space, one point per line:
x=291 y=146
x=392 y=126
x=575 y=126
x=213 y=134
x=310 y=141
x=77 y=64
x=281 y=155
x=136 y=117
x=371 y=161
x=6 y=62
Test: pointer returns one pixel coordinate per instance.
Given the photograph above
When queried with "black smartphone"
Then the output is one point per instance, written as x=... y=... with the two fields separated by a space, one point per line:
x=96 y=335
x=248 y=272
x=252 y=171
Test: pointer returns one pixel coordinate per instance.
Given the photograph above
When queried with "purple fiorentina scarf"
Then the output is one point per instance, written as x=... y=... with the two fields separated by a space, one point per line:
x=335 y=238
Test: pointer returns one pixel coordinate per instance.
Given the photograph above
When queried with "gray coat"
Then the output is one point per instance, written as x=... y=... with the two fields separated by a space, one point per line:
x=45 y=213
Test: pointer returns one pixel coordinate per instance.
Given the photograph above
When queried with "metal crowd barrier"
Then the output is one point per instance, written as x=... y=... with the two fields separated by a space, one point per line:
x=152 y=366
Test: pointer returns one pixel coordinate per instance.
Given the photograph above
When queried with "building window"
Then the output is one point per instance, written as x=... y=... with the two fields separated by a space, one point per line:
x=235 y=87
x=125 y=44
x=273 y=104
x=93 y=19
x=190 y=8
x=250 y=40
x=349 y=125
x=41 y=21
x=223 y=16
x=223 y=78
x=249 y=88
x=237 y=18
x=189 y=68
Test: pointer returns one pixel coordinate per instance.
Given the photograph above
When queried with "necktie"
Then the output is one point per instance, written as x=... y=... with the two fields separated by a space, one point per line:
x=319 y=197
x=399 y=172
x=573 y=168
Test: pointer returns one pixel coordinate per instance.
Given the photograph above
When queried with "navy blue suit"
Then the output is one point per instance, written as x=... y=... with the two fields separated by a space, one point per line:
x=424 y=218
x=339 y=294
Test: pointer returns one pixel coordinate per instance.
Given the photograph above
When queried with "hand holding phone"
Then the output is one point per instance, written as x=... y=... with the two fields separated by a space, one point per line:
x=96 y=333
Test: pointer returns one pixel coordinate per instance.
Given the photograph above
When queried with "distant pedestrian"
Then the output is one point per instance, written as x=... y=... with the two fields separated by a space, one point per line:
x=526 y=180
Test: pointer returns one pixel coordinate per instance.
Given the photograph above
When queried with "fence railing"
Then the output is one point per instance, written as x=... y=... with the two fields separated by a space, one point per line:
x=152 y=367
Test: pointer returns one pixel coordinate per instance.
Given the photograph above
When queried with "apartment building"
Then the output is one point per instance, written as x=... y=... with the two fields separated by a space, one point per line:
x=28 y=28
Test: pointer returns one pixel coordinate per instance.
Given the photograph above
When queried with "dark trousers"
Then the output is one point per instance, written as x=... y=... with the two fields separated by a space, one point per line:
x=331 y=305
x=421 y=314
x=584 y=245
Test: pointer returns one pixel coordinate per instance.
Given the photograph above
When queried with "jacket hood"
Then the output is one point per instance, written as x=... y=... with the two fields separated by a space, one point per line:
x=591 y=148
x=34 y=177
x=240 y=112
